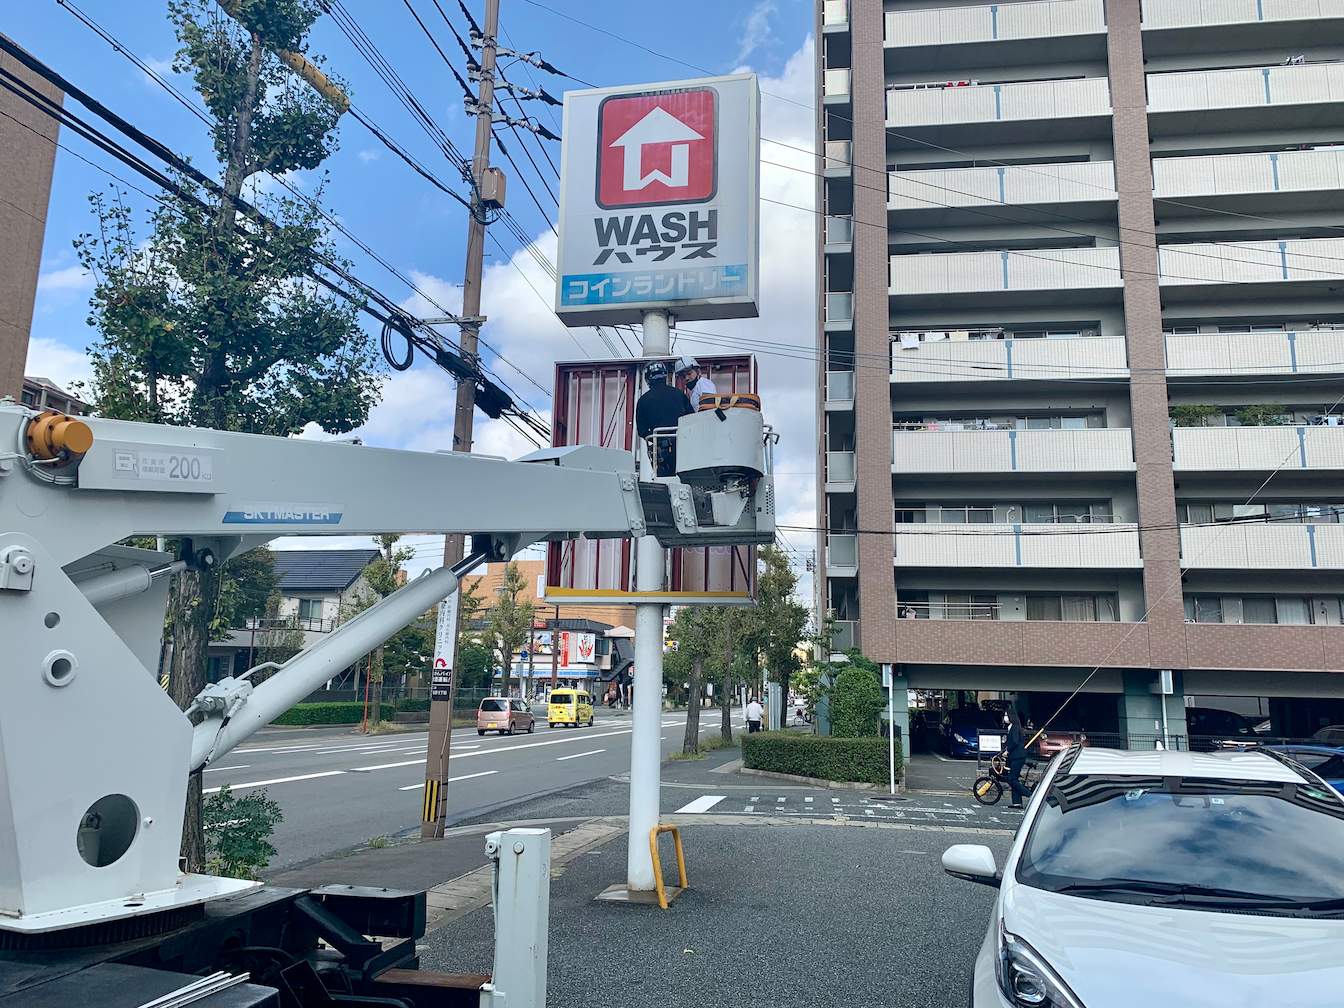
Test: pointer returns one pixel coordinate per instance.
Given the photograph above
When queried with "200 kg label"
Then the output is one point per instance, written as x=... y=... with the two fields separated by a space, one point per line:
x=185 y=468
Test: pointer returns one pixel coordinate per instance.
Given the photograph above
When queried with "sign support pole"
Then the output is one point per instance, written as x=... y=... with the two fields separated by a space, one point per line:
x=646 y=717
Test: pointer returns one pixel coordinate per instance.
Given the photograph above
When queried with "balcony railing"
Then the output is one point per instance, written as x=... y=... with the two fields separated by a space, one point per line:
x=1030 y=359
x=1067 y=182
x=312 y=625
x=1230 y=174
x=835 y=13
x=1317 y=351
x=835 y=83
x=839 y=388
x=1257 y=449
x=1297 y=260
x=994 y=22
x=1198 y=13
x=1088 y=450
x=1018 y=545
x=842 y=553
x=838 y=157
x=839 y=230
x=839 y=467
x=840 y=307
x=1050 y=100
x=1016 y=270
x=1246 y=87
x=1267 y=546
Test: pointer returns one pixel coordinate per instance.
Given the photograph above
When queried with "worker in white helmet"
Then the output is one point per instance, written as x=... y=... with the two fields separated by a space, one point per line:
x=698 y=383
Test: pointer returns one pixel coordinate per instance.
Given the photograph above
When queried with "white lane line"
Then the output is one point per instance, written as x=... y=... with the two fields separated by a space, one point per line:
x=451 y=780
x=385 y=766
x=281 y=780
x=749 y=808
x=780 y=801
x=240 y=766
x=702 y=804
x=533 y=745
x=808 y=800
x=590 y=752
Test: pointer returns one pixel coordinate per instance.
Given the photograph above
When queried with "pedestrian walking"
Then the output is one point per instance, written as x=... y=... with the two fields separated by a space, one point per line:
x=1016 y=749
x=754 y=714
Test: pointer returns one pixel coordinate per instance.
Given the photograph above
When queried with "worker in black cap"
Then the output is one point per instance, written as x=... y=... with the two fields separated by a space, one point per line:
x=661 y=406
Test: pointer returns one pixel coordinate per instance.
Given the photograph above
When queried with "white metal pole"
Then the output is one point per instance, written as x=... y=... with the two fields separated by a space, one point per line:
x=891 y=727
x=646 y=714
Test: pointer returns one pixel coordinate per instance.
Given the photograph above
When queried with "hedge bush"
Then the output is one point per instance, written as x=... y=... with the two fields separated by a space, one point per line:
x=828 y=758
x=857 y=699
x=332 y=713
x=413 y=704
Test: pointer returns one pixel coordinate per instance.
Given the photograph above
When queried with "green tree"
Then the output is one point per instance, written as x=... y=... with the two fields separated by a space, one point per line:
x=475 y=665
x=382 y=578
x=510 y=622
x=696 y=632
x=212 y=320
x=857 y=699
x=238 y=832
x=246 y=585
x=775 y=627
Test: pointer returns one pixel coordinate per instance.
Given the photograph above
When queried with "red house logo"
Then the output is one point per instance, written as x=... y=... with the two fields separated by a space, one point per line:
x=657 y=148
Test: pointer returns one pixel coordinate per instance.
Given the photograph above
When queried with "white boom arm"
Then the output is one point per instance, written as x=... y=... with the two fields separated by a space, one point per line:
x=94 y=755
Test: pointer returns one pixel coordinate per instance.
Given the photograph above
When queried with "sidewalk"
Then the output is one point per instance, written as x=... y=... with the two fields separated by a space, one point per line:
x=799 y=896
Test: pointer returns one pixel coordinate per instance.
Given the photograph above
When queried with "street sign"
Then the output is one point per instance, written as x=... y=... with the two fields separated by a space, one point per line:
x=659 y=201
x=445 y=646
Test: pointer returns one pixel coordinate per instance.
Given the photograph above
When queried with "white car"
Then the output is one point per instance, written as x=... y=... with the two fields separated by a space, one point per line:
x=1166 y=878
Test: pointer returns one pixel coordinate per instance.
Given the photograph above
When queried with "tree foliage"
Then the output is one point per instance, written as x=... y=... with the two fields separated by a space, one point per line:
x=857 y=699
x=510 y=622
x=238 y=832
x=212 y=318
x=246 y=585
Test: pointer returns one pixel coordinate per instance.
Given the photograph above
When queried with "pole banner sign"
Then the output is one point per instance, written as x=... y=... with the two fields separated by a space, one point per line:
x=659 y=201
x=445 y=647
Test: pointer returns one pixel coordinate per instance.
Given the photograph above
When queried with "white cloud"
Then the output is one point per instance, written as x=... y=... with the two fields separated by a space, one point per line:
x=68 y=278
x=61 y=363
x=370 y=154
x=756 y=32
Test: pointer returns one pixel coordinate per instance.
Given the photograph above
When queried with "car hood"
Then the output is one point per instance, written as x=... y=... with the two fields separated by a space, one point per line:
x=1117 y=955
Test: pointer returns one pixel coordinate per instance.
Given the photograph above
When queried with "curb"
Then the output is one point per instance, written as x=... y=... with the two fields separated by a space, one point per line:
x=820 y=781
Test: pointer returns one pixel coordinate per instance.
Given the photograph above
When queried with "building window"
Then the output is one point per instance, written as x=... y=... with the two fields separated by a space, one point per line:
x=1204 y=608
x=310 y=609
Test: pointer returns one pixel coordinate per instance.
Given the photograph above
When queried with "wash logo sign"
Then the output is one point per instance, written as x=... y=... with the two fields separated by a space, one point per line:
x=658 y=201
x=655 y=149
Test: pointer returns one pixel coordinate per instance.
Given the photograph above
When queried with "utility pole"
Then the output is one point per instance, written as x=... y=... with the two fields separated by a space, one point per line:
x=441 y=711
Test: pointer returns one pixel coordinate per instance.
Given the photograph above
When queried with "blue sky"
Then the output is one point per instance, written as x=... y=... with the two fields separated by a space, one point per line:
x=421 y=231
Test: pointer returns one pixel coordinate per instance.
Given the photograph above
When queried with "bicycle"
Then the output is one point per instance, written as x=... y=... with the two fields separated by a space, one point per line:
x=989 y=787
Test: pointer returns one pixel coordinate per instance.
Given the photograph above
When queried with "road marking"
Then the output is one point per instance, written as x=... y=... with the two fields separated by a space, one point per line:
x=835 y=801
x=702 y=804
x=534 y=745
x=451 y=780
x=750 y=808
x=386 y=766
x=780 y=800
x=590 y=752
x=281 y=780
x=808 y=800
x=240 y=766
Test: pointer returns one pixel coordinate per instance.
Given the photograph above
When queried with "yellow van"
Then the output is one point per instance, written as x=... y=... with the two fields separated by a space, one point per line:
x=571 y=707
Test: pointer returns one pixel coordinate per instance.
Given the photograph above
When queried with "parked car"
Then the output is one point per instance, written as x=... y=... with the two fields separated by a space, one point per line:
x=962 y=727
x=504 y=715
x=1333 y=735
x=1055 y=740
x=571 y=707
x=1165 y=878
x=1325 y=761
x=1207 y=726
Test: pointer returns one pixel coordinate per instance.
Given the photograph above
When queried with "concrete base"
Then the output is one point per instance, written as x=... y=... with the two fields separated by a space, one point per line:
x=819 y=781
x=620 y=893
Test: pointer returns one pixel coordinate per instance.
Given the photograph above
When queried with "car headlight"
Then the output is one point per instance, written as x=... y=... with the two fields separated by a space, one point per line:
x=1026 y=979
x=961 y=738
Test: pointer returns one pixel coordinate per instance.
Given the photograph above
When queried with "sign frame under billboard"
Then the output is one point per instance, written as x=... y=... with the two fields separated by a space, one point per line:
x=605 y=417
x=609 y=254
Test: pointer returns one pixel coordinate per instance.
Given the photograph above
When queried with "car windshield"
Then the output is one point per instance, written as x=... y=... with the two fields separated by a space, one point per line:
x=1186 y=840
x=562 y=698
x=492 y=705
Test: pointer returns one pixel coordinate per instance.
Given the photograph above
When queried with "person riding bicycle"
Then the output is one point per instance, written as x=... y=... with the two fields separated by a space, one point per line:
x=1015 y=749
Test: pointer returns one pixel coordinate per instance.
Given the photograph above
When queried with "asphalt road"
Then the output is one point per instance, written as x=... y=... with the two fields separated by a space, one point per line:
x=339 y=789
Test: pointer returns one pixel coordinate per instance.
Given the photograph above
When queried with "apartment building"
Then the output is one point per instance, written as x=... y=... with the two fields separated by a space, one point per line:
x=1081 y=272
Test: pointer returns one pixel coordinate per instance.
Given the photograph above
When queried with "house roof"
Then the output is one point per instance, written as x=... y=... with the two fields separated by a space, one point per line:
x=319 y=570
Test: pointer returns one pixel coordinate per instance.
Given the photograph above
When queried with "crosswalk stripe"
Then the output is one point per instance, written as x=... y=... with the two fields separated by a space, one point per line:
x=702 y=804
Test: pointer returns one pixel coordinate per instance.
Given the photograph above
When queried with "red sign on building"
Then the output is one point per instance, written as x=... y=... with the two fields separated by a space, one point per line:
x=656 y=148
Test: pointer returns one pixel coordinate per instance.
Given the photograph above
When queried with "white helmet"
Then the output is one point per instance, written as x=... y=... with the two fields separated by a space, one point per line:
x=686 y=363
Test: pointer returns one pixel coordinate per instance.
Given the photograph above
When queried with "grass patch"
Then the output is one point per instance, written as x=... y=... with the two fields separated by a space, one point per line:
x=680 y=756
